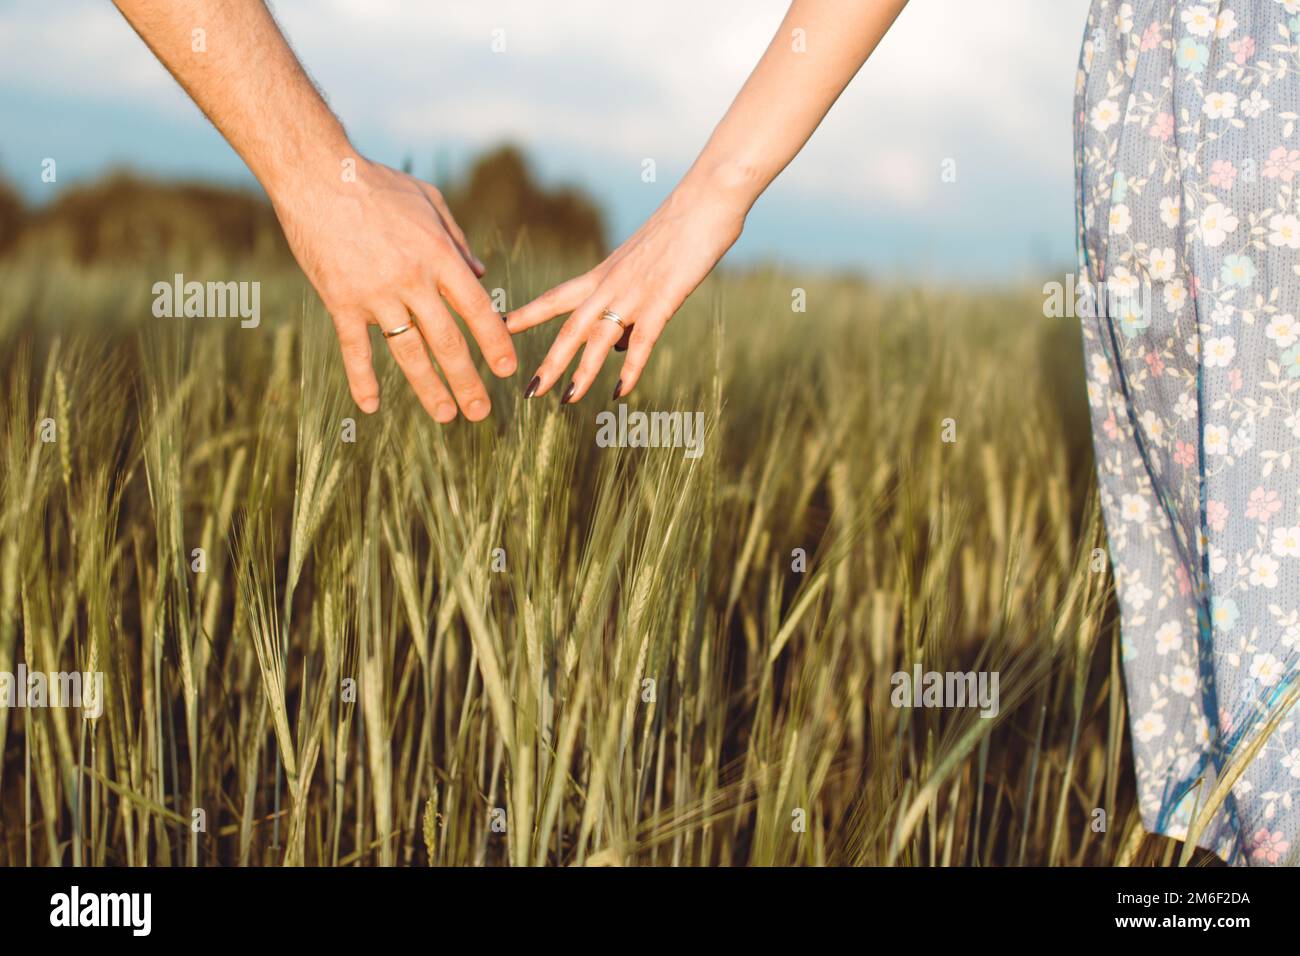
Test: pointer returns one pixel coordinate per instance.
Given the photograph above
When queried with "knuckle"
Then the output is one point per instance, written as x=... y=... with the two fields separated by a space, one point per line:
x=461 y=375
x=444 y=245
x=475 y=304
x=644 y=336
x=414 y=276
x=469 y=390
x=570 y=334
x=470 y=395
x=445 y=339
x=350 y=323
x=406 y=348
x=423 y=382
x=355 y=352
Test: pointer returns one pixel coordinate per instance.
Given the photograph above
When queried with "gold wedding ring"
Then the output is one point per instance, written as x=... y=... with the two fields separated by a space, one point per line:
x=615 y=318
x=398 y=331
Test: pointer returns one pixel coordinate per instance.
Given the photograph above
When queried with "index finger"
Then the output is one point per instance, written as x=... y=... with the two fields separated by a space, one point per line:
x=471 y=301
x=565 y=297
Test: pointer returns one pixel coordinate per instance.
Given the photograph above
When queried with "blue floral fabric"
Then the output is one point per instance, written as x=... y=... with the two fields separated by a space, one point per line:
x=1188 y=164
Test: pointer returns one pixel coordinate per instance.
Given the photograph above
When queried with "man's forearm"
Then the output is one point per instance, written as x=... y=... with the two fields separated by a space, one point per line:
x=243 y=75
x=818 y=49
x=380 y=247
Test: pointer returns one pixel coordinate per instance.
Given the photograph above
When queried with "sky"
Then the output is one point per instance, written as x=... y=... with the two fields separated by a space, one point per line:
x=591 y=88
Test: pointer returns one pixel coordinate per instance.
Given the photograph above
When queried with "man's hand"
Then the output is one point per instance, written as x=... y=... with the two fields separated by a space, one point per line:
x=382 y=248
x=379 y=246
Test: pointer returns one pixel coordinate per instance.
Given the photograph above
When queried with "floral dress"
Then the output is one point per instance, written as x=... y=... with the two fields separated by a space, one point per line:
x=1188 y=188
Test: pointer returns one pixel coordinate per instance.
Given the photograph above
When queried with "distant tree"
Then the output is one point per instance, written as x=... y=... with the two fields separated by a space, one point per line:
x=499 y=199
x=12 y=216
x=126 y=218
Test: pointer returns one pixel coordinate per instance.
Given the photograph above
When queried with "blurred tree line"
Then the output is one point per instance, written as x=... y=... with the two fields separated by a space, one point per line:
x=123 y=217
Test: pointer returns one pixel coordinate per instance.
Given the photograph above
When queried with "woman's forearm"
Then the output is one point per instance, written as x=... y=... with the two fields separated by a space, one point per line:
x=818 y=49
x=628 y=299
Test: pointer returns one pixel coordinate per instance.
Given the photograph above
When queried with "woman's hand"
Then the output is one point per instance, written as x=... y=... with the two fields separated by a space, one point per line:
x=643 y=282
x=650 y=275
x=385 y=250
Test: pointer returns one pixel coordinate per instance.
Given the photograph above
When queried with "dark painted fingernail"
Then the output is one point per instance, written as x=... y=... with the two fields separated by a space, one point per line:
x=568 y=393
x=505 y=316
x=618 y=390
x=620 y=347
x=531 y=390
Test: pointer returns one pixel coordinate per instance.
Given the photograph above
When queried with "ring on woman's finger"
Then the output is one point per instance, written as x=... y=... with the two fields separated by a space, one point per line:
x=615 y=318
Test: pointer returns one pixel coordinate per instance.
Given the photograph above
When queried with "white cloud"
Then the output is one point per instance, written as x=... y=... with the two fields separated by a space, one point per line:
x=626 y=81
x=85 y=49
x=604 y=84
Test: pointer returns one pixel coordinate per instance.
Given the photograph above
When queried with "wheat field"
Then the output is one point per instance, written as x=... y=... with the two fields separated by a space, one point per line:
x=505 y=645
